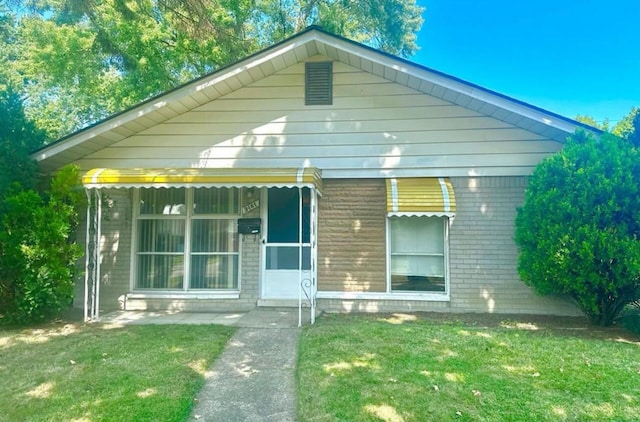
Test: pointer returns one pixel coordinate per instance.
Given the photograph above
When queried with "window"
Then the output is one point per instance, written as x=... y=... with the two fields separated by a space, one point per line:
x=418 y=254
x=187 y=239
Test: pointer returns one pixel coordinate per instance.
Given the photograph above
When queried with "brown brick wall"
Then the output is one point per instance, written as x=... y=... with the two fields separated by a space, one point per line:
x=351 y=236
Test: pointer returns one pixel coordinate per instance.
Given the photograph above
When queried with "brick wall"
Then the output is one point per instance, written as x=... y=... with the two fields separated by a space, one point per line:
x=351 y=236
x=483 y=255
x=250 y=268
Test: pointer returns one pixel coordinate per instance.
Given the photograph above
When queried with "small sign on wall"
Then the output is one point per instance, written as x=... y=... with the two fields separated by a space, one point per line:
x=250 y=202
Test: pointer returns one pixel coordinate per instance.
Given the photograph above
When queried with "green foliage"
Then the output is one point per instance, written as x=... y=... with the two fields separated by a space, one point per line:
x=18 y=136
x=578 y=229
x=629 y=127
x=37 y=252
x=588 y=120
x=81 y=61
x=630 y=317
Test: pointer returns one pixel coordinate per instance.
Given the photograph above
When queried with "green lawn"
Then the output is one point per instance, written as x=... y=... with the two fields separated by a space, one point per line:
x=77 y=372
x=403 y=368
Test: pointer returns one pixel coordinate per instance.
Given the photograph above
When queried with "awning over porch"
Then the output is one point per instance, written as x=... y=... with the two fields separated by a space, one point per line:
x=421 y=196
x=202 y=177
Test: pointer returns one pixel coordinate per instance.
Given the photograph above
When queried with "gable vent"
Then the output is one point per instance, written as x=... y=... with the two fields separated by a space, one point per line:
x=318 y=83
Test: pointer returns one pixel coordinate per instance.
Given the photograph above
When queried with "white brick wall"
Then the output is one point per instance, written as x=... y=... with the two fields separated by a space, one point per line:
x=483 y=255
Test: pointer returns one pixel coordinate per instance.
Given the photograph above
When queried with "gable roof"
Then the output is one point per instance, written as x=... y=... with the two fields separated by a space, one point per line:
x=304 y=45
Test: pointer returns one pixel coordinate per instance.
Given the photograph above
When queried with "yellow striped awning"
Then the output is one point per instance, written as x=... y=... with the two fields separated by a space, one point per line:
x=202 y=177
x=421 y=196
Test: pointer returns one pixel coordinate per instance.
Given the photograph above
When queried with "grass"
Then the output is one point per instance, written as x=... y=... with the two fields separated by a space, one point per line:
x=76 y=372
x=407 y=368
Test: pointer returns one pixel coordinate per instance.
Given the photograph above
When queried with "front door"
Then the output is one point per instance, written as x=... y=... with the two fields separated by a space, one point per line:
x=287 y=246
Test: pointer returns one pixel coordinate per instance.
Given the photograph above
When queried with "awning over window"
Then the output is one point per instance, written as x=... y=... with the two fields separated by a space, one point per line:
x=202 y=177
x=421 y=196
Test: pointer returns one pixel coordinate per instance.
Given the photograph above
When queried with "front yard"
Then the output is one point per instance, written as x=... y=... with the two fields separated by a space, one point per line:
x=393 y=368
x=76 y=372
x=403 y=368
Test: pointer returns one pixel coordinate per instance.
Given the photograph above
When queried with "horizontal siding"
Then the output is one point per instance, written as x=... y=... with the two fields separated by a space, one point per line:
x=373 y=128
x=282 y=126
x=327 y=114
x=337 y=151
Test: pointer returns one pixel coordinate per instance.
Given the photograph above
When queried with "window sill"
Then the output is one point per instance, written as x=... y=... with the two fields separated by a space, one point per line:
x=184 y=295
x=425 y=297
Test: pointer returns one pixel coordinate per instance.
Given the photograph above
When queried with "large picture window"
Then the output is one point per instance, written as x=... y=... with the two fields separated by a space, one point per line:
x=186 y=239
x=418 y=254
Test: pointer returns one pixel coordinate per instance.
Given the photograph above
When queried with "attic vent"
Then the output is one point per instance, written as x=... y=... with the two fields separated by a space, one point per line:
x=318 y=83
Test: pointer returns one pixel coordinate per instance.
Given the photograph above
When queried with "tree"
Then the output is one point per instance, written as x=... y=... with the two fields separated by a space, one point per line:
x=579 y=228
x=629 y=127
x=37 y=255
x=85 y=60
x=37 y=251
x=18 y=136
x=588 y=120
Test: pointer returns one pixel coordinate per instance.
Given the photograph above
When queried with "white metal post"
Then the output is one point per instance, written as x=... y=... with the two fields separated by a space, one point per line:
x=313 y=226
x=87 y=240
x=98 y=247
x=299 y=256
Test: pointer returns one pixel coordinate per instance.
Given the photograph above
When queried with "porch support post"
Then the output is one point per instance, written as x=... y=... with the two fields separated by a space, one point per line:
x=96 y=315
x=92 y=255
x=88 y=253
x=313 y=227
x=300 y=281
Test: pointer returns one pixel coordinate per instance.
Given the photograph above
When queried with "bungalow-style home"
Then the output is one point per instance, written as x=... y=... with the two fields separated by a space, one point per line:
x=316 y=173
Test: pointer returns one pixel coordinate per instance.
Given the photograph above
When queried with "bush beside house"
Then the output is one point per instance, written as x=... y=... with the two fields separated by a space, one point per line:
x=579 y=227
x=37 y=253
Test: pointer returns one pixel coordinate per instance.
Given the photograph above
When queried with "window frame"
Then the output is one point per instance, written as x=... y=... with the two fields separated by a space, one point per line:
x=187 y=253
x=419 y=294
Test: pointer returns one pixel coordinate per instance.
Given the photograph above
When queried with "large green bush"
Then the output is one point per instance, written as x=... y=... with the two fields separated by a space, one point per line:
x=37 y=251
x=579 y=228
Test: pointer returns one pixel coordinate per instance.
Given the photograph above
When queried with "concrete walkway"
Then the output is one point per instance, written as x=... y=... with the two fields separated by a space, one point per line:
x=254 y=378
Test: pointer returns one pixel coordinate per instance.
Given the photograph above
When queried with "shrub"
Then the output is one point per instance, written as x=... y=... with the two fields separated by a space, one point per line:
x=579 y=226
x=630 y=317
x=37 y=252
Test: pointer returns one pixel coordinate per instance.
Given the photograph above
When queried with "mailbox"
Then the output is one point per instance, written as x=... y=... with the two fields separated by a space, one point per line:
x=249 y=225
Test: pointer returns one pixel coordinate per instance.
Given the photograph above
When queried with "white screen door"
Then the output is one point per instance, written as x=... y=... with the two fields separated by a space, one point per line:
x=283 y=245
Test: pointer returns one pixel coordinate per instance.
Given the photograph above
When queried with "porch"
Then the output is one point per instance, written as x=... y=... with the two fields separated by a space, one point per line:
x=183 y=239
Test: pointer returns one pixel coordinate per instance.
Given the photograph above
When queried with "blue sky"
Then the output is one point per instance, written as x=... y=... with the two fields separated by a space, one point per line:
x=566 y=56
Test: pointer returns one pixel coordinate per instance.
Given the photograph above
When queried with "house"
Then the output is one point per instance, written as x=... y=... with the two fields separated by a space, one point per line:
x=318 y=172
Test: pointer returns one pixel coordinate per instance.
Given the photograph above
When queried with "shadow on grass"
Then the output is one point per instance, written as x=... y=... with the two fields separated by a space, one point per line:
x=423 y=366
x=83 y=372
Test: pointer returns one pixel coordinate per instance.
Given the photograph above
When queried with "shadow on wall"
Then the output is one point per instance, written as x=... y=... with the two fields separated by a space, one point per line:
x=484 y=255
x=115 y=248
